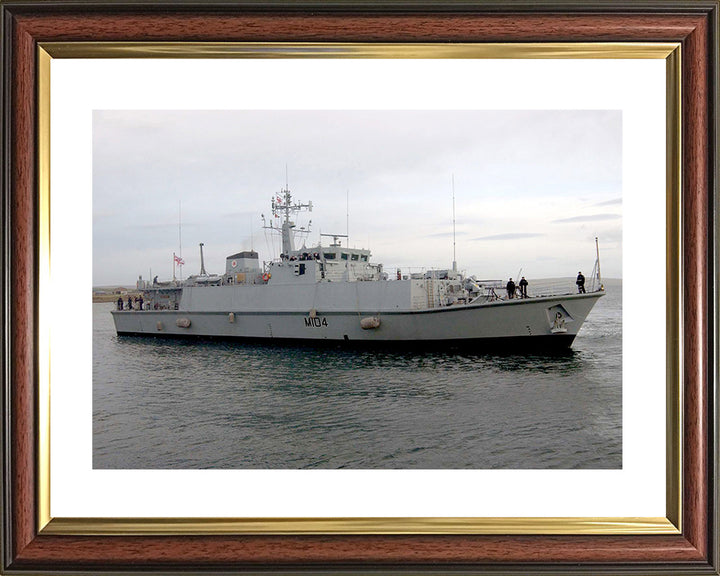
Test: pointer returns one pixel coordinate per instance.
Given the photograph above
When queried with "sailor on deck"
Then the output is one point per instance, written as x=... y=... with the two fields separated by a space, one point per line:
x=523 y=287
x=580 y=283
x=510 y=289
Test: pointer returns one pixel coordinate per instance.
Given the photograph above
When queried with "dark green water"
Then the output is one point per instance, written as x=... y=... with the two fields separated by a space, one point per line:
x=187 y=404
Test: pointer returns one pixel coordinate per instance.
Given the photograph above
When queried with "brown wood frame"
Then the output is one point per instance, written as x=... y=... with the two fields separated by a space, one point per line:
x=692 y=23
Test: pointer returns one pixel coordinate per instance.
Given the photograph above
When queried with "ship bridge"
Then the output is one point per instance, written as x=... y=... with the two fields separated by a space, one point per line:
x=333 y=263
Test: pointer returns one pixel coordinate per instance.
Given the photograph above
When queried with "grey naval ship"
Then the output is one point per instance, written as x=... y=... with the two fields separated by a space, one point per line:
x=335 y=294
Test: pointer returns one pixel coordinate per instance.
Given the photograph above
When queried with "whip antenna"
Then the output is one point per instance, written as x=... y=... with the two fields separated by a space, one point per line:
x=179 y=235
x=453 y=192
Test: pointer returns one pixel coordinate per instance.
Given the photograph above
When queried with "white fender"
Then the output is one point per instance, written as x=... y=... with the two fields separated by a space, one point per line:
x=370 y=323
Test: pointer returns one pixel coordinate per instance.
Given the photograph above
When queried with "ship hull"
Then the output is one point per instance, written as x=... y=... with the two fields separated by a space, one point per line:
x=510 y=324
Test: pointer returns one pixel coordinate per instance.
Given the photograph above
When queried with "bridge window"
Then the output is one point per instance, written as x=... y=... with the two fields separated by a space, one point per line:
x=354 y=257
x=329 y=255
x=363 y=257
x=344 y=256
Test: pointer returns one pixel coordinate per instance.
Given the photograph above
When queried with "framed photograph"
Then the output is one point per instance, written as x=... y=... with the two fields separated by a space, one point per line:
x=425 y=287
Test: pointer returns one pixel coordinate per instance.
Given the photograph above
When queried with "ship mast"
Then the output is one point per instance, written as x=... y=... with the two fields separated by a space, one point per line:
x=283 y=204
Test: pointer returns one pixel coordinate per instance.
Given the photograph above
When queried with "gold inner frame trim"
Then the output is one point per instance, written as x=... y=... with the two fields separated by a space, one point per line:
x=673 y=310
x=437 y=525
x=43 y=385
x=566 y=50
x=406 y=526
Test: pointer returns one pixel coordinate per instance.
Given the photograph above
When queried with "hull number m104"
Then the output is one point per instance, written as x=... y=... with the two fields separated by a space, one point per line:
x=315 y=322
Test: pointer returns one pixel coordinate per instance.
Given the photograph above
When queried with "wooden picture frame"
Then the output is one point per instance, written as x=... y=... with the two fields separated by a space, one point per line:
x=30 y=547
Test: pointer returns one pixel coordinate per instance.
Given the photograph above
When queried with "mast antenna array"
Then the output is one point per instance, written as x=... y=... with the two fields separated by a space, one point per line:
x=283 y=205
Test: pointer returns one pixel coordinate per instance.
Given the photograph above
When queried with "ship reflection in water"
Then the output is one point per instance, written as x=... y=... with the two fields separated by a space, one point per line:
x=161 y=403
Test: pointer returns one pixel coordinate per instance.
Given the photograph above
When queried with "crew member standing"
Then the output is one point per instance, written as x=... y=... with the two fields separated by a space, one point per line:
x=523 y=287
x=510 y=289
x=580 y=283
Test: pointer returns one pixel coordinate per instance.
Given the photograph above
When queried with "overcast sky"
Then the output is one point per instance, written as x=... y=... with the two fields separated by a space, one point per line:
x=532 y=188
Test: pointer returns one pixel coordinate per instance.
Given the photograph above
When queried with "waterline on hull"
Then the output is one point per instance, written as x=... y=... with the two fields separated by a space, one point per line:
x=510 y=344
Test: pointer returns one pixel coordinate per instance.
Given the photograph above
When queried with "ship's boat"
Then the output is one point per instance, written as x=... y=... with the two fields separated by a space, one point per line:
x=335 y=294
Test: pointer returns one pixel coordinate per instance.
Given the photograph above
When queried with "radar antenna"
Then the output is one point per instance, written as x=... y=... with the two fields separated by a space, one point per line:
x=335 y=238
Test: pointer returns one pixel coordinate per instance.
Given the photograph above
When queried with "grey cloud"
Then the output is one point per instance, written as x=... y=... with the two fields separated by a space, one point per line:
x=610 y=202
x=149 y=226
x=445 y=234
x=510 y=236
x=591 y=218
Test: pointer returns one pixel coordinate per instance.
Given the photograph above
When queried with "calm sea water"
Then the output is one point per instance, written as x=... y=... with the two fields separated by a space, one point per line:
x=188 y=404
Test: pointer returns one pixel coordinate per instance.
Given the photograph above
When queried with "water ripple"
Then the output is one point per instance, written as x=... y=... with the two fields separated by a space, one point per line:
x=183 y=404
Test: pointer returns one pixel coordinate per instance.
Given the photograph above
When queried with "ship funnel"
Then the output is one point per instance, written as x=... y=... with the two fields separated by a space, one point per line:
x=202 y=261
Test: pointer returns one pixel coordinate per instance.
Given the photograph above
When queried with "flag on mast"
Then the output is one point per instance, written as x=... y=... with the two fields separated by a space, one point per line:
x=177 y=261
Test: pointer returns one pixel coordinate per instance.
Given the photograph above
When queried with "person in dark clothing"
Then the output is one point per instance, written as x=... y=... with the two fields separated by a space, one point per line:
x=120 y=303
x=580 y=283
x=129 y=302
x=523 y=287
x=140 y=301
x=155 y=280
x=510 y=289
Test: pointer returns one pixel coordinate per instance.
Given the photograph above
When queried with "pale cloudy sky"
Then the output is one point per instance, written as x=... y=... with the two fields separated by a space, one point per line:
x=532 y=188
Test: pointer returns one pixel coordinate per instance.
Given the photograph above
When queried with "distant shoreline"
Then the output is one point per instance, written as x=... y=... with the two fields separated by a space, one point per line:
x=105 y=297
